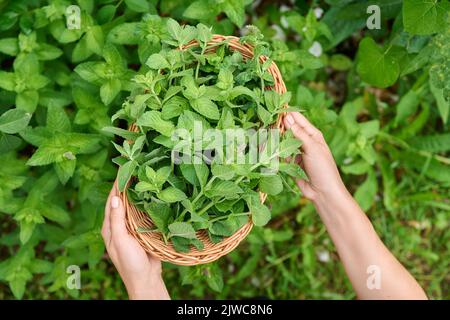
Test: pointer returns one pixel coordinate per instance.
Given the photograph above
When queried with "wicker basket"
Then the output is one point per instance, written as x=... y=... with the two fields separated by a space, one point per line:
x=152 y=242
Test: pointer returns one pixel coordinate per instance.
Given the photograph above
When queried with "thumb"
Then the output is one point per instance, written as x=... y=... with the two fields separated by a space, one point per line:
x=117 y=217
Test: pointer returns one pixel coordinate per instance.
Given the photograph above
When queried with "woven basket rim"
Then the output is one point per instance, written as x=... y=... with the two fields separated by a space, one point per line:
x=152 y=242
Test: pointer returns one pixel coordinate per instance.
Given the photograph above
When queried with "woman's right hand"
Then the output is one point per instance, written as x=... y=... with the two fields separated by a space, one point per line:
x=316 y=160
x=356 y=241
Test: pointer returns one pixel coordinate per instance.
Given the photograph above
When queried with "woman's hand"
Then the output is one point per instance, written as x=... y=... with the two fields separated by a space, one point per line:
x=356 y=241
x=140 y=272
x=316 y=160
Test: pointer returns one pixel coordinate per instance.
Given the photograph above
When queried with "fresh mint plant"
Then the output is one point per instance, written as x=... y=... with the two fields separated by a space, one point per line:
x=216 y=87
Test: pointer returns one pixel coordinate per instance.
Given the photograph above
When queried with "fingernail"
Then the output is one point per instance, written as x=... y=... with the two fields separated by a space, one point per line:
x=114 y=202
x=289 y=119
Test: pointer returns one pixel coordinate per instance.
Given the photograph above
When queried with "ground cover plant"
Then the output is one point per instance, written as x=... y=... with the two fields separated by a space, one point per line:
x=379 y=95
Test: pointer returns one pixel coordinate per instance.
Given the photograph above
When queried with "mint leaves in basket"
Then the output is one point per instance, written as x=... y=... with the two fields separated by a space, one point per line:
x=199 y=84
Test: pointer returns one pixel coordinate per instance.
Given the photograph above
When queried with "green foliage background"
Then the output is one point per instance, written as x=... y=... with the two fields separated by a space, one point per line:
x=381 y=97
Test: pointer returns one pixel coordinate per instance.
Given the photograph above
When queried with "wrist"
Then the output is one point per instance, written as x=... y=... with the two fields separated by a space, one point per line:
x=332 y=197
x=151 y=288
x=335 y=205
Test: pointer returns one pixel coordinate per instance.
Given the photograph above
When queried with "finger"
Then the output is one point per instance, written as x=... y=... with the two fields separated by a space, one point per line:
x=117 y=217
x=304 y=123
x=106 y=227
x=299 y=133
x=308 y=127
x=306 y=189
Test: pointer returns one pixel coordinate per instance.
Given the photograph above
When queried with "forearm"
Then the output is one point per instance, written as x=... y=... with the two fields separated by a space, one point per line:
x=360 y=249
x=152 y=288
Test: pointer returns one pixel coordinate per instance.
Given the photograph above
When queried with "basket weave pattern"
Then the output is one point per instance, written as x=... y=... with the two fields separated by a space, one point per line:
x=152 y=242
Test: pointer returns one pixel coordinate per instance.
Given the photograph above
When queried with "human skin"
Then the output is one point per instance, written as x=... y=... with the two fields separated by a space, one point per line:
x=356 y=241
x=359 y=247
x=140 y=272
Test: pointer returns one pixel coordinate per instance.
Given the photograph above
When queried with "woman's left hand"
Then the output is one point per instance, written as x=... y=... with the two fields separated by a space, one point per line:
x=140 y=272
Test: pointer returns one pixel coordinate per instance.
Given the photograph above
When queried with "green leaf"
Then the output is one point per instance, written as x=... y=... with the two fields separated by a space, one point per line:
x=91 y=71
x=124 y=174
x=190 y=88
x=95 y=39
x=365 y=194
x=309 y=61
x=174 y=28
x=7 y=80
x=260 y=213
x=182 y=35
x=214 y=277
x=157 y=61
x=138 y=5
x=57 y=119
x=206 y=108
x=224 y=172
x=14 y=120
x=27 y=100
x=171 y=195
x=376 y=66
x=138 y=145
x=112 y=56
x=202 y=173
x=225 y=79
x=9 y=46
x=81 y=51
x=8 y=142
x=432 y=143
x=124 y=33
x=423 y=17
x=264 y=115
x=109 y=90
x=200 y=10
x=407 y=106
x=153 y=119
x=65 y=169
x=26 y=65
x=48 y=52
x=126 y=134
x=188 y=172
x=289 y=147
x=55 y=213
x=293 y=170
x=160 y=214
x=60 y=146
x=162 y=175
x=17 y=281
x=106 y=13
x=442 y=104
x=235 y=11
x=174 y=107
x=28 y=217
x=340 y=62
x=182 y=229
x=204 y=32
x=271 y=184
x=181 y=244
x=221 y=228
x=225 y=189
x=144 y=186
